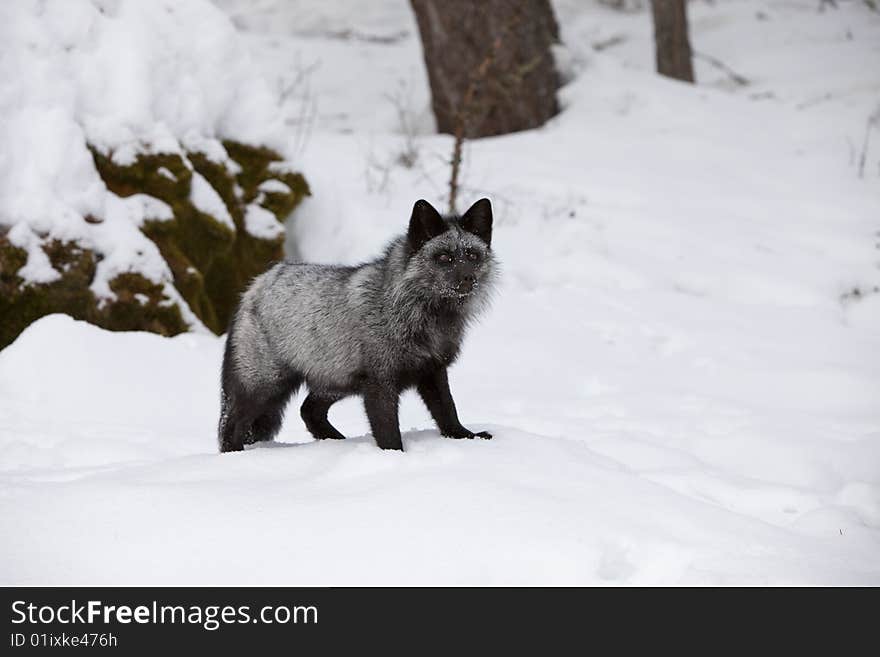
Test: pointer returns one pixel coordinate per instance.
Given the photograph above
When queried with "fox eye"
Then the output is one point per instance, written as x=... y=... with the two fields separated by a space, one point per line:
x=473 y=256
x=444 y=258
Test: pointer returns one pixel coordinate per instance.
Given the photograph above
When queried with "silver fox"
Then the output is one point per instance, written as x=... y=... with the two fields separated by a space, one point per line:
x=373 y=330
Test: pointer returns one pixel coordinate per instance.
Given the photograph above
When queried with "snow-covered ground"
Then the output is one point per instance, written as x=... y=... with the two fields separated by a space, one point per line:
x=682 y=386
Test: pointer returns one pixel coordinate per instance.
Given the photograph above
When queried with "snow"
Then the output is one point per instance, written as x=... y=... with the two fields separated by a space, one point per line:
x=38 y=268
x=138 y=495
x=274 y=186
x=212 y=148
x=681 y=383
x=206 y=199
x=261 y=223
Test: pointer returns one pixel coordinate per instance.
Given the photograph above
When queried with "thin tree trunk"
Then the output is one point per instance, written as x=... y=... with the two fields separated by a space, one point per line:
x=671 y=39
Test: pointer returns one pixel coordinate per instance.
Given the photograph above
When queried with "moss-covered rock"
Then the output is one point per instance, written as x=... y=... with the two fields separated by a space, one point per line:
x=163 y=175
x=140 y=304
x=210 y=262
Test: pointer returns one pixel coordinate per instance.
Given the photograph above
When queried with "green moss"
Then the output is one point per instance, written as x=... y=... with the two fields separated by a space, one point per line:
x=211 y=266
x=71 y=260
x=188 y=279
x=230 y=273
x=198 y=235
x=254 y=162
x=146 y=176
x=12 y=259
x=281 y=205
x=255 y=169
x=210 y=263
x=193 y=239
x=21 y=304
x=140 y=305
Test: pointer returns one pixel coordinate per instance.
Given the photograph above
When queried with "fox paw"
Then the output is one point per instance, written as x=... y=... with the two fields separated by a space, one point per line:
x=465 y=433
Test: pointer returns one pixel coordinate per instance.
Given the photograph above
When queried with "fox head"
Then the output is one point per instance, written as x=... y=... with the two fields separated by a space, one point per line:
x=451 y=255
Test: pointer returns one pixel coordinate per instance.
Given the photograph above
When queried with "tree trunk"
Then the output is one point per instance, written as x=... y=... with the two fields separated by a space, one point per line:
x=489 y=64
x=671 y=39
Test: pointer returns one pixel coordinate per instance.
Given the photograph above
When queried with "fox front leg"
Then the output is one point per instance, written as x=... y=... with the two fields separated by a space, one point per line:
x=434 y=390
x=380 y=401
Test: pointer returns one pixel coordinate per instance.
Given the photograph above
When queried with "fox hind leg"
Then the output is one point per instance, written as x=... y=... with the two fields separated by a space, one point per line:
x=314 y=413
x=254 y=416
x=233 y=429
x=266 y=425
x=269 y=412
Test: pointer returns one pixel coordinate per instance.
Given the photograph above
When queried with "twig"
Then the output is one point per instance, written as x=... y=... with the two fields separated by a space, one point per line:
x=615 y=40
x=738 y=79
x=401 y=102
x=874 y=118
x=304 y=122
x=354 y=35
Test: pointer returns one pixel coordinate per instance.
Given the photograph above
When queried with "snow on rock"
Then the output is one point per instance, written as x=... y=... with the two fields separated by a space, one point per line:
x=124 y=252
x=206 y=199
x=127 y=79
x=261 y=223
x=211 y=148
x=37 y=268
x=136 y=209
x=273 y=185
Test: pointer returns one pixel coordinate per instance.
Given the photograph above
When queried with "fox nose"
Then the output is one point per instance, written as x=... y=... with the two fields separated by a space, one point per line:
x=466 y=283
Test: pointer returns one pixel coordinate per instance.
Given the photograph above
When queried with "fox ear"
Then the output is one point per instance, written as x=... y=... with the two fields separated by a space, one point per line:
x=478 y=220
x=424 y=224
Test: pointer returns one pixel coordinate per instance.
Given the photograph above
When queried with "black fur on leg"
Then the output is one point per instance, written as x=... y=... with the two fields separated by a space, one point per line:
x=380 y=401
x=230 y=438
x=249 y=416
x=268 y=423
x=234 y=425
x=434 y=390
x=314 y=413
